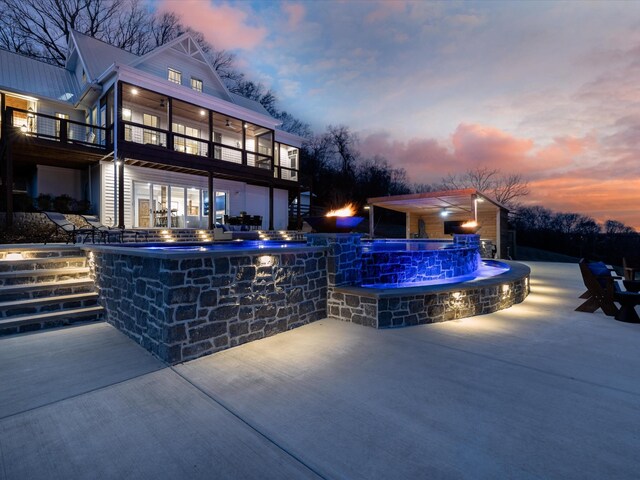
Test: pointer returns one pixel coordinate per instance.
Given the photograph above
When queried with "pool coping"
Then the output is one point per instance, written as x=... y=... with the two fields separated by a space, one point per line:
x=123 y=249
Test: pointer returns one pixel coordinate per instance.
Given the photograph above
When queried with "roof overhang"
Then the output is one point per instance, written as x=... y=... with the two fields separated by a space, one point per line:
x=456 y=201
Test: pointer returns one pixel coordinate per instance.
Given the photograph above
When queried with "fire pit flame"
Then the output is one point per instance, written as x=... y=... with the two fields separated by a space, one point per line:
x=349 y=210
x=341 y=220
x=470 y=224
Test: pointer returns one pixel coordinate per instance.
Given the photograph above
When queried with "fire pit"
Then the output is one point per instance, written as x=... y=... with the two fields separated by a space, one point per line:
x=466 y=228
x=336 y=221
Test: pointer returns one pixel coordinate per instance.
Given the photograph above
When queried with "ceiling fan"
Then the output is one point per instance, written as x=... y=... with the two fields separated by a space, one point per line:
x=229 y=125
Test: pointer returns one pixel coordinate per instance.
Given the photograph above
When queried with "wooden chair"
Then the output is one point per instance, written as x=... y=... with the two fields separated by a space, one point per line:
x=601 y=288
x=631 y=266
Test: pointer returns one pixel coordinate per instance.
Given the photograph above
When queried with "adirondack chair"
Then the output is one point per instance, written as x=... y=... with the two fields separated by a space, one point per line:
x=601 y=287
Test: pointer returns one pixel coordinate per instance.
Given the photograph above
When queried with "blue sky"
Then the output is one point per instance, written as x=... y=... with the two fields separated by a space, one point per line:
x=550 y=90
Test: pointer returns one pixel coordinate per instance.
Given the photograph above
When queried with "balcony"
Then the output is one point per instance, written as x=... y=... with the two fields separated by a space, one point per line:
x=164 y=130
x=31 y=125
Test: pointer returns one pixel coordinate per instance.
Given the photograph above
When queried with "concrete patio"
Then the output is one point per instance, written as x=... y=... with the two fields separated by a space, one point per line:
x=535 y=391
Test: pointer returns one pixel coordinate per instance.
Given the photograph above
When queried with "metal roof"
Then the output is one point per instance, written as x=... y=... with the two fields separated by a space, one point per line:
x=25 y=75
x=98 y=55
x=249 y=104
x=22 y=74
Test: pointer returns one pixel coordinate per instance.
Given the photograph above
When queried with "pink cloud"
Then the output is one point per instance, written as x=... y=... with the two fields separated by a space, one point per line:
x=557 y=180
x=296 y=13
x=481 y=145
x=224 y=26
x=385 y=9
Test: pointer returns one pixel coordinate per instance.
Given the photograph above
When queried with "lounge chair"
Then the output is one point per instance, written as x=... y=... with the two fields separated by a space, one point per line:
x=106 y=233
x=601 y=287
x=67 y=228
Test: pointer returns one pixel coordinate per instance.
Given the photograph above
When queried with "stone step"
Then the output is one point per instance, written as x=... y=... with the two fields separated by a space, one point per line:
x=28 y=323
x=42 y=263
x=18 y=252
x=47 y=304
x=33 y=277
x=28 y=291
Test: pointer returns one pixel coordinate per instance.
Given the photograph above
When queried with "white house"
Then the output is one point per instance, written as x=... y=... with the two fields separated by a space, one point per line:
x=153 y=141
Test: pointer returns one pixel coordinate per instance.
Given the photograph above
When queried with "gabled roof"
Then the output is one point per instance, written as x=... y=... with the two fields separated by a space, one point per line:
x=186 y=45
x=97 y=56
x=25 y=75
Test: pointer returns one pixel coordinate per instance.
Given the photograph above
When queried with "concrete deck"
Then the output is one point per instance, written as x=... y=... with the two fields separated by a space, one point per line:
x=535 y=391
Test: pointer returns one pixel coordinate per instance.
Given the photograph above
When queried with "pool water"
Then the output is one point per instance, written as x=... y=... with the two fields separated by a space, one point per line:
x=248 y=245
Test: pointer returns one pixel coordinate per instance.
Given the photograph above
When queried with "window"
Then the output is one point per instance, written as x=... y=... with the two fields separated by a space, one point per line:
x=186 y=145
x=196 y=84
x=150 y=136
x=175 y=76
x=61 y=116
x=128 y=129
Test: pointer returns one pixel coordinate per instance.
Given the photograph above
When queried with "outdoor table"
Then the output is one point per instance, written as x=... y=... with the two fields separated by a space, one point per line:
x=628 y=301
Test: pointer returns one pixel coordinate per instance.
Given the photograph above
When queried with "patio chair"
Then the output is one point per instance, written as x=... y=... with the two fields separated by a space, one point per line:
x=67 y=228
x=106 y=233
x=601 y=286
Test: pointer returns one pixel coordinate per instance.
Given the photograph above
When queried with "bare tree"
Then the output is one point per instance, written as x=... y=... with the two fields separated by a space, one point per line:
x=614 y=227
x=40 y=28
x=504 y=188
x=344 y=143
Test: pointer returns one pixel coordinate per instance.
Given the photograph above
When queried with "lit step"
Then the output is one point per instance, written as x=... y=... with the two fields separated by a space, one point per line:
x=34 y=302
x=59 y=315
x=44 y=272
x=28 y=287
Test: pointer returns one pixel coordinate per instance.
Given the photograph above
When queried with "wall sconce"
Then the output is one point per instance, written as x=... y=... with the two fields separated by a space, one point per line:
x=444 y=213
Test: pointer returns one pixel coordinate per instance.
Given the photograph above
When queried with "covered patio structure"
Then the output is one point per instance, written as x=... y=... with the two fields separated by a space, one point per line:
x=432 y=214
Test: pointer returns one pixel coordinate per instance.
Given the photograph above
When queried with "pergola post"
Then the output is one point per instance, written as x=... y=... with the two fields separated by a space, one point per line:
x=372 y=226
x=408 y=225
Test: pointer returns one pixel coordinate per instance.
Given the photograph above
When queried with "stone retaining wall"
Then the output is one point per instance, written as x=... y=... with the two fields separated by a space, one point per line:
x=422 y=305
x=181 y=309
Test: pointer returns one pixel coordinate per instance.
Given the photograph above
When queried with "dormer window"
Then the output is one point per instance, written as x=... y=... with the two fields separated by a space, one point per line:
x=196 y=84
x=175 y=76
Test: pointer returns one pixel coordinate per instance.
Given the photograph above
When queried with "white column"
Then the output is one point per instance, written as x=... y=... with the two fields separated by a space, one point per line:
x=408 y=225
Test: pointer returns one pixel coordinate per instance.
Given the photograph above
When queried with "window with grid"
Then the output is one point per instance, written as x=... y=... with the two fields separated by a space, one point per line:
x=175 y=76
x=196 y=84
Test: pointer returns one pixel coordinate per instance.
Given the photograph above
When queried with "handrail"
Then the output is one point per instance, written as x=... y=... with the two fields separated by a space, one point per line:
x=58 y=119
x=63 y=130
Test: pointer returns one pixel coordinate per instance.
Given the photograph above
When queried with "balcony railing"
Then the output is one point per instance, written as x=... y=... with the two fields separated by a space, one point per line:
x=146 y=135
x=39 y=125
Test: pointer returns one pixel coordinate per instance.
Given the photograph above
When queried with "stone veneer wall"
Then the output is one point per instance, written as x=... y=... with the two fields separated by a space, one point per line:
x=344 y=263
x=422 y=305
x=380 y=267
x=181 y=309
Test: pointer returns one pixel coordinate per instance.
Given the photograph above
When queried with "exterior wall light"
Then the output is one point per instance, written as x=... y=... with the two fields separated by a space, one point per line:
x=444 y=212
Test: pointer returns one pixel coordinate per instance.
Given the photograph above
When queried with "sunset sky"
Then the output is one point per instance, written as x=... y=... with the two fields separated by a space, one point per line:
x=550 y=90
